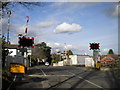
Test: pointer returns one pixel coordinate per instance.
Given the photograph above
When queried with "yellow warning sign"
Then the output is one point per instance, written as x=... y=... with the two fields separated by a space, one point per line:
x=98 y=65
x=17 y=68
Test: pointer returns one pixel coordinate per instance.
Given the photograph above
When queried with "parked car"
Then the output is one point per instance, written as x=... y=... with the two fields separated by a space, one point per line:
x=47 y=64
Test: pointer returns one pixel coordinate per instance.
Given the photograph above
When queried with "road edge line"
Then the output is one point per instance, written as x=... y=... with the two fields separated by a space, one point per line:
x=86 y=80
x=43 y=72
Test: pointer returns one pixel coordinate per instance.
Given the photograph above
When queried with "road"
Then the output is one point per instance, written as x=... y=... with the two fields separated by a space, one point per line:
x=69 y=77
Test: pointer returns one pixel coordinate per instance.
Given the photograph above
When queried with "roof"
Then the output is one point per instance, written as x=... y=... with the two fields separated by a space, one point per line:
x=12 y=46
x=115 y=56
x=112 y=56
x=78 y=55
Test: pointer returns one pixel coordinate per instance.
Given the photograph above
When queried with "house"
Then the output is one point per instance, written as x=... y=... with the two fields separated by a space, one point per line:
x=109 y=59
x=15 y=55
x=13 y=49
x=78 y=59
x=89 y=62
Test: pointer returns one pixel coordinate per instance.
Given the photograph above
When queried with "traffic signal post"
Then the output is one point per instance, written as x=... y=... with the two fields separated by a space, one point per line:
x=95 y=48
x=24 y=44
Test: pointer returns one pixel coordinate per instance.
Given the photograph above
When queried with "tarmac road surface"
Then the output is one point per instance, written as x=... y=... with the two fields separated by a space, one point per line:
x=69 y=77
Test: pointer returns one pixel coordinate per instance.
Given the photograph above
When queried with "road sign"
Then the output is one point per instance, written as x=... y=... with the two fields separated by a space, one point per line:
x=94 y=46
x=26 y=41
x=17 y=68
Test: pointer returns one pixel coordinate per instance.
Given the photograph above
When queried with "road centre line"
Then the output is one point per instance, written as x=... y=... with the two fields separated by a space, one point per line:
x=86 y=80
x=47 y=75
x=43 y=72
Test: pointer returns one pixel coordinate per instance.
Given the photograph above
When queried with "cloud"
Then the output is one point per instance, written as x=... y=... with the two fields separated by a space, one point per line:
x=57 y=4
x=74 y=5
x=37 y=30
x=113 y=11
x=105 y=50
x=67 y=28
x=46 y=24
x=62 y=47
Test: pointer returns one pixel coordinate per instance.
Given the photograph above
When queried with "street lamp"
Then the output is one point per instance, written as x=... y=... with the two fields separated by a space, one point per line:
x=9 y=13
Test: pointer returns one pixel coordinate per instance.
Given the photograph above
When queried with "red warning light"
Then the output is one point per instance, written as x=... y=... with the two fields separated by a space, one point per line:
x=33 y=46
x=28 y=38
x=32 y=38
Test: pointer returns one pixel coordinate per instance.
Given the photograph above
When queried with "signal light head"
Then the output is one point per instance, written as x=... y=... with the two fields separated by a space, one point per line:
x=26 y=42
x=94 y=46
x=32 y=38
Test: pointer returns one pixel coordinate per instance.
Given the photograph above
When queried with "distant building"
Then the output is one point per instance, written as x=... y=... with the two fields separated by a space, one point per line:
x=108 y=59
x=78 y=59
x=13 y=49
x=15 y=55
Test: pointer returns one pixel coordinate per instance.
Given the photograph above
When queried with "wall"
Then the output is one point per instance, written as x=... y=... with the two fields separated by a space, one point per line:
x=14 y=52
x=81 y=59
x=89 y=62
x=78 y=59
x=73 y=59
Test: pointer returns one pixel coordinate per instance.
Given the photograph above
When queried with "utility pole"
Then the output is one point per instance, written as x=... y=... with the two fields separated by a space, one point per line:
x=65 y=50
x=9 y=13
x=95 y=48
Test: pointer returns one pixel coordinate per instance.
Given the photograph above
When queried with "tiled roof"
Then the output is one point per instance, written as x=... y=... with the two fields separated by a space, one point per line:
x=12 y=46
x=115 y=56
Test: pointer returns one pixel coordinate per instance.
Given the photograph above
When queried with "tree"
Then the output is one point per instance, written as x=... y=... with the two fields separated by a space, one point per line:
x=56 y=57
x=69 y=52
x=10 y=5
x=42 y=51
x=110 y=51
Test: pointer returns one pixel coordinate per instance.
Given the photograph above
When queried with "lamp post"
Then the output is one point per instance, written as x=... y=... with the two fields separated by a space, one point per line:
x=9 y=13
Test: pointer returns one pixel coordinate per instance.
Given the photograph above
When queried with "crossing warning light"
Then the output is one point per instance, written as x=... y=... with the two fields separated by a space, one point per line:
x=26 y=41
x=94 y=46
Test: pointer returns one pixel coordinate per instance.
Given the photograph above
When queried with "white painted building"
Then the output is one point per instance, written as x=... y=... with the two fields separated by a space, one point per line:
x=89 y=62
x=78 y=59
x=16 y=57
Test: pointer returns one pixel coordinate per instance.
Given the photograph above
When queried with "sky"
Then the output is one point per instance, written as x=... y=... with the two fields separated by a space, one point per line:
x=68 y=25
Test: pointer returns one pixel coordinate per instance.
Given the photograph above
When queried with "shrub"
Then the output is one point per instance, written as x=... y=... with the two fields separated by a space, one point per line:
x=55 y=61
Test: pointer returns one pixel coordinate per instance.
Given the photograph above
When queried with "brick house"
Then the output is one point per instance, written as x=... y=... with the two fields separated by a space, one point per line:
x=109 y=59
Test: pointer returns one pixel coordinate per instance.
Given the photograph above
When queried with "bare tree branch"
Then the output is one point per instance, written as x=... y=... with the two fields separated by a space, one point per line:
x=28 y=5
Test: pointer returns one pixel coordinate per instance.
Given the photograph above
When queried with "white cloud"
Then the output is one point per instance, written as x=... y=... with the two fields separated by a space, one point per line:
x=46 y=24
x=61 y=47
x=67 y=28
x=106 y=50
x=57 y=44
x=57 y=4
x=37 y=30
x=113 y=11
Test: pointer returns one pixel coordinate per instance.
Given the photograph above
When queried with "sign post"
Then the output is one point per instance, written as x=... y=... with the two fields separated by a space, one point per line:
x=95 y=48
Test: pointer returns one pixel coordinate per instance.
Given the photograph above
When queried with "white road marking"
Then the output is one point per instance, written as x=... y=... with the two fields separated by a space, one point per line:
x=43 y=72
x=34 y=75
x=87 y=80
x=12 y=82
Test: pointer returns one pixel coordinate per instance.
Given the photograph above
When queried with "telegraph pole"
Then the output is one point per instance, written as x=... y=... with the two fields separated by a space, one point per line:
x=95 y=48
x=9 y=13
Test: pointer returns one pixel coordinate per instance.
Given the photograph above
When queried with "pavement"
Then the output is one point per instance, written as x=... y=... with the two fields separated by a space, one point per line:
x=68 y=77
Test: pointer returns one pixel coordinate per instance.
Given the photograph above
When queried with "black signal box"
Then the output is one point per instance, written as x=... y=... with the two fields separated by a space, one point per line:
x=94 y=46
x=26 y=42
